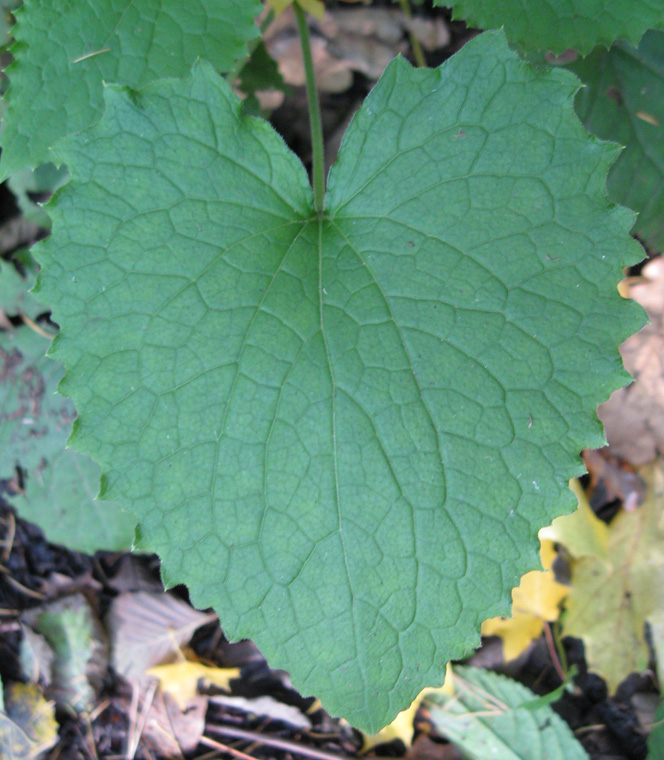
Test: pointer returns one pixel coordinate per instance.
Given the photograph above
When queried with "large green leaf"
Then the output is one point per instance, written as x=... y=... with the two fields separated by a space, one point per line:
x=65 y=49
x=490 y=716
x=624 y=101
x=344 y=432
x=560 y=24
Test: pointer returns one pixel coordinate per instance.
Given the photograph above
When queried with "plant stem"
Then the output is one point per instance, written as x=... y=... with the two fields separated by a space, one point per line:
x=314 y=111
x=251 y=46
x=418 y=53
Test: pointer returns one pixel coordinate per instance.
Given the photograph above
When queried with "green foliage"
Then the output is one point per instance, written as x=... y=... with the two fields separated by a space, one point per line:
x=27 y=184
x=61 y=484
x=561 y=24
x=64 y=51
x=623 y=101
x=492 y=716
x=343 y=432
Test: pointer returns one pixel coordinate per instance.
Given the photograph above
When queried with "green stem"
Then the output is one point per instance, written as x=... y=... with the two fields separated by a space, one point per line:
x=418 y=53
x=314 y=112
x=251 y=46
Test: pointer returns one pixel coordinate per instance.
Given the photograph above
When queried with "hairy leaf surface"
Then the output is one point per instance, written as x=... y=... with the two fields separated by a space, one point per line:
x=344 y=432
x=489 y=715
x=624 y=101
x=560 y=24
x=64 y=50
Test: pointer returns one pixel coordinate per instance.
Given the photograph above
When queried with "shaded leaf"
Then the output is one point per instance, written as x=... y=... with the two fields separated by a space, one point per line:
x=28 y=727
x=623 y=101
x=327 y=424
x=63 y=52
x=61 y=485
x=27 y=185
x=68 y=625
x=487 y=717
x=561 y=24
x=148 y=629
x=15 y=299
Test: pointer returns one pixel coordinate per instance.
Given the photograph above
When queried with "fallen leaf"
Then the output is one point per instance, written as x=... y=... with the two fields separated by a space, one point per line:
x=266 y=707
x=181 y=679
x=617 y=580
x=634 y=416
x=535 y=600
x=148 y=629
x=27 y=723
x=172 y=731
x=76 y=638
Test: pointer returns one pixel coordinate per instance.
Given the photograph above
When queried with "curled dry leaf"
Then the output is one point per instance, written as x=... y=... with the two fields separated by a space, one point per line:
x=148 y=629
x=634 y=416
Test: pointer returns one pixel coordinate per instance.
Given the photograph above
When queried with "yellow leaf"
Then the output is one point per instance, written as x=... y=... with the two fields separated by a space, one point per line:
x=536 y=599
x=516 y=632
x=181 y=679
x=315 y=7
x=620 y=587
x=27 y=724
x=582 y=533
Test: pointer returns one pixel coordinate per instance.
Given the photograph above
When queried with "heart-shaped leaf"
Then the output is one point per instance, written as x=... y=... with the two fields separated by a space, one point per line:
x=343 y=431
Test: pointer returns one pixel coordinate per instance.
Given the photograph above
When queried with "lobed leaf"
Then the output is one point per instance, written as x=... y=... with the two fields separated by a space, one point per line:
x=64 y=51
x=558 y=25
x=344 y=432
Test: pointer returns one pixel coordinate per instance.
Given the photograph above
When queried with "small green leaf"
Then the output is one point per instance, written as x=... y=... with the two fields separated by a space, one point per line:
x=558 y=25
x=29 y=187
x=344 y=432
x=487 y=717
x=261 y=72
x=35 y=422
x=64 y=51
x=15 y=298
x=623 y=101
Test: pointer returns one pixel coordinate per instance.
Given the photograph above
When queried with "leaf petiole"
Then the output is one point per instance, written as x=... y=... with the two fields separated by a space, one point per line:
x=314 y=111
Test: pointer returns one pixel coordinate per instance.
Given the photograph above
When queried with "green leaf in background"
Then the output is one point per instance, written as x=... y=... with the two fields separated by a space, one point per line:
x=344 y=432
x=486 y=718
x=35 y=422
x=64 y=51
x=623 y=101
x=7 y=7
x=32 y=187
x=15 y=298
x=261 y=72
x=561 y=24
